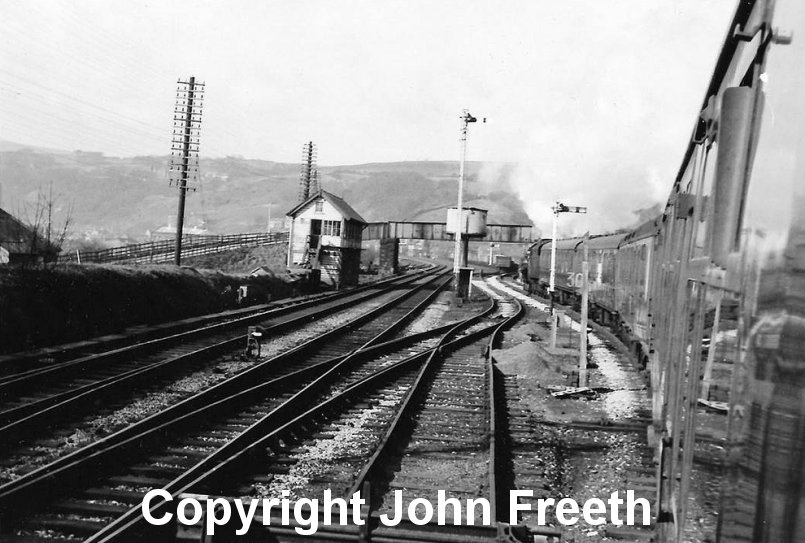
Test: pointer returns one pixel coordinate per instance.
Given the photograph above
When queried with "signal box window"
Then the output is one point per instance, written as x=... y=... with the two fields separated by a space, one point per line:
x=319 y=206
x=331 y=228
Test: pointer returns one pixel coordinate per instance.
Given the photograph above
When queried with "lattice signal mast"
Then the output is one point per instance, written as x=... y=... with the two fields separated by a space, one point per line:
x=184 y=148
x=308 y=168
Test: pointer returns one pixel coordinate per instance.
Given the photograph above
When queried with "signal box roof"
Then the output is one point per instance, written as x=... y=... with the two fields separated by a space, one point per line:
x=339 y=204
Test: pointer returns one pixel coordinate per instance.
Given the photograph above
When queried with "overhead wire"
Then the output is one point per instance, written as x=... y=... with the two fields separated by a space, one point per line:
x=97 y=110
x=75 y=75
x=101 y=50
x=37 y=118
x=156 y=75
x=102 y=40
x=64 y=129
x=98 y=44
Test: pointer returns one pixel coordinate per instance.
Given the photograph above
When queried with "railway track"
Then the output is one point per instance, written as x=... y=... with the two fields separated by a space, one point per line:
x=538 y=454
x=451 y=428
x=55 y=362
x=353 y=341
x=349 y=447
x=377 y=410
x=69 y=438
x=15 y=364
x=228 y=432
x=60 y=518
x=34 y=401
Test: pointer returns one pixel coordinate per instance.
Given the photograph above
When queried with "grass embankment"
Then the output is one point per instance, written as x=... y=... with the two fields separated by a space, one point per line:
x=43 y=306
x=242 y=260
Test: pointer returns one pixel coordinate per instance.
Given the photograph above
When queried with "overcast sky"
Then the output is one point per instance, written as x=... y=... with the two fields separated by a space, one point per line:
x=582 y=94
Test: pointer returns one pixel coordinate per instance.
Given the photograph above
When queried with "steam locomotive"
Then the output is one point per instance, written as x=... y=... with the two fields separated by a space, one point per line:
x=710 y=295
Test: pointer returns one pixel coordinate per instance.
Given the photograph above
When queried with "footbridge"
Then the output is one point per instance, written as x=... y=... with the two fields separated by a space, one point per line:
x=390 y=233
x=437 y=231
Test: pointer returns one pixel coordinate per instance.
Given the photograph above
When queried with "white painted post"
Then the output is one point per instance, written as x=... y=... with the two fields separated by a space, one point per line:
x=460 y=210
x=585 y=291
x=469 y=287
x=557 y=209
x=552 y=281
x=555 y=316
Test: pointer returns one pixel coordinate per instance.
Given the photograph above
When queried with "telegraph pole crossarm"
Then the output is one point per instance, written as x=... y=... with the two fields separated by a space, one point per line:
x=186 y=128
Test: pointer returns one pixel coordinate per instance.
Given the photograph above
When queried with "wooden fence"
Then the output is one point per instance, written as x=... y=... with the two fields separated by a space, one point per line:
x=163 y=251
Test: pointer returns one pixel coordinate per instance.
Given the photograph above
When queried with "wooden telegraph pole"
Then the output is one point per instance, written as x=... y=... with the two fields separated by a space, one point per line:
x=308 y=175
x=184 y=148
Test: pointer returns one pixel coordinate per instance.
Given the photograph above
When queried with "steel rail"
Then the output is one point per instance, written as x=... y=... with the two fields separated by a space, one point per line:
x=407 y=531
x=500 y=474
x=500 y=480
x=401 y=424
x=31 y=422
x=19 y=421
x=408 y=404
x=31 y=360
x=27 y=489
x=268 y=430
x=14 y=380
x=143 y=333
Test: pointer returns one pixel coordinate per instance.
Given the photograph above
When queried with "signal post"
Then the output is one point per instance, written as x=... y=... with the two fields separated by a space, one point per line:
x=557 y=209
x=585 y=292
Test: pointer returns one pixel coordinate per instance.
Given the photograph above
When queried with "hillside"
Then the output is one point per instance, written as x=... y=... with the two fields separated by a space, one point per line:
x=124 y=199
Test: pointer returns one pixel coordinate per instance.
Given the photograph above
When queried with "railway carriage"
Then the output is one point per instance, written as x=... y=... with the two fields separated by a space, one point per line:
x=632 y=283
x=712 y=292
x=602 y=257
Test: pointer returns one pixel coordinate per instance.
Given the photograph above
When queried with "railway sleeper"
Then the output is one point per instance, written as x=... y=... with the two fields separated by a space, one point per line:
x=287 y=440
x=109 y=493
x=68 y=526
x=156 y=471
x=172 y=459
x=89 y=507
x=194 y=452
x=137 y=480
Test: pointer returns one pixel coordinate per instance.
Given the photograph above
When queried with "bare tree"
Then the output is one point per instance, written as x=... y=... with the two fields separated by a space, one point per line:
x=47 y=237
